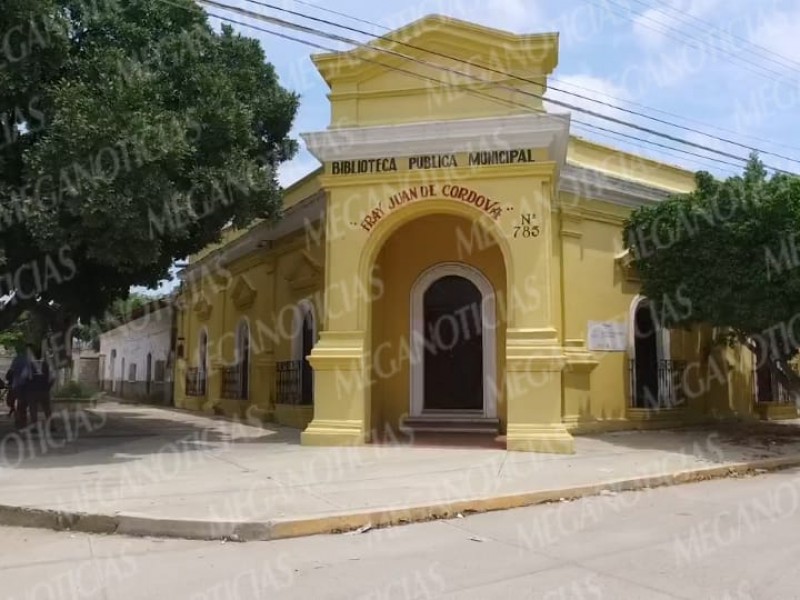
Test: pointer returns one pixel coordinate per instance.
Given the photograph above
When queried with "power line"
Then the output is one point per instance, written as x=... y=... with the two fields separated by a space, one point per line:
x=667 y=151
x=333 y=36
x=523 y=79
x=504 y=101
x=684 y=17
x=584 y=88
x=627 y=13
x=342 y=14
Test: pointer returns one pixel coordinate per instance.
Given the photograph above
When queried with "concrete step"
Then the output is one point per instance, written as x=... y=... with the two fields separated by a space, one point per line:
x=451 y=424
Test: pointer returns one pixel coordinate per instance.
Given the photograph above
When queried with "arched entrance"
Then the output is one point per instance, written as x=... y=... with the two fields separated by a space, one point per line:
x=449 y=271
x=652 y=385
x=646 y=358
x=454 y=347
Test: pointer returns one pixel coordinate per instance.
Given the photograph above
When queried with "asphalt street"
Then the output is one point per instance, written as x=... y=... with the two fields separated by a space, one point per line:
x=731 y=539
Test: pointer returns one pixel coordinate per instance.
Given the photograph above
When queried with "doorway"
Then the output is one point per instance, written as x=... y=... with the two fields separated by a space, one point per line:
x=453 y=346
x=646 y=389
x=453 y=343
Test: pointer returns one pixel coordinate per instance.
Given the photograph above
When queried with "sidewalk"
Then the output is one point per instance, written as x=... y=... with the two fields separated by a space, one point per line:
x=149 y=471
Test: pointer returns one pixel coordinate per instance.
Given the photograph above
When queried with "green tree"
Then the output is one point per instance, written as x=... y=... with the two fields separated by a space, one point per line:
x=726 y=255
x=131 y=132
x=120 y=311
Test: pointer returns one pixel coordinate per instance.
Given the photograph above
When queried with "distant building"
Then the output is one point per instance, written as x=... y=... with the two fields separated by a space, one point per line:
x=136 y=358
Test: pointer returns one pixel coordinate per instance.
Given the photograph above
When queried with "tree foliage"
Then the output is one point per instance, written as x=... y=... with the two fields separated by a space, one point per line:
x=725 y=255
x=131 y=132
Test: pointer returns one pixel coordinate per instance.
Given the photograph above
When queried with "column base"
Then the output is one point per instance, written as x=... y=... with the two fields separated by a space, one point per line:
x=333 y=433
x=552 y=439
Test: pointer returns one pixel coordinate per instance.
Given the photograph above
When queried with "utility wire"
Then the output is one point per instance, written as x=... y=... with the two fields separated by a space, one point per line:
x=526 y=80
x=704 y=26
x=641 y=145
x=552 y=78
x=692 y=41
x=333 y=36
x=504 y=101
x=511 y=75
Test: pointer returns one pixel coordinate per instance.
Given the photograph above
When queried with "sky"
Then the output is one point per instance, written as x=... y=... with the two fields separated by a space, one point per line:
x=730 y=64
x=728 y=67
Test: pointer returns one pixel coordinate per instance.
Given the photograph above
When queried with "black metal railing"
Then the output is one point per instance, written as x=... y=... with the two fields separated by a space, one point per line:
x=195 y=382
x=657 y=386
x=232 y=385
x=777 y=390
x=291 y=386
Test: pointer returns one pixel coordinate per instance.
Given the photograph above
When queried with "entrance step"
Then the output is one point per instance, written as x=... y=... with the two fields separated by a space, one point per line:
x=451 y=424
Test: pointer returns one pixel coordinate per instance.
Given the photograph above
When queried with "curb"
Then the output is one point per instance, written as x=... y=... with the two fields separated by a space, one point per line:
x=275 y=529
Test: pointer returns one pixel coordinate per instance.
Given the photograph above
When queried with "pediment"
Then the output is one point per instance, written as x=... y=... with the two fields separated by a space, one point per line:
x=243 y=294
x=537 y=53
x=627 y=265
x=305 y=272
x=202 y=307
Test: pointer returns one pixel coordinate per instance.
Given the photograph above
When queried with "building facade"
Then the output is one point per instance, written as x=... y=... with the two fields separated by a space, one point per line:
x=136 y=359
x=456 y=265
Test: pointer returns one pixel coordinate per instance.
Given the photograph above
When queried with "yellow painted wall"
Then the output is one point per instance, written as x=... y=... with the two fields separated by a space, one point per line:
x=559 y=281
x=280 y=278
x=596 y=288
x=627 y=166
x=401 y=261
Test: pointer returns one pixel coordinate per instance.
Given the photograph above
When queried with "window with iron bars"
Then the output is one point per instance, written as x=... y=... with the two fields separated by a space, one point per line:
x=662 y=389
x=195 y=382
x=293 y=385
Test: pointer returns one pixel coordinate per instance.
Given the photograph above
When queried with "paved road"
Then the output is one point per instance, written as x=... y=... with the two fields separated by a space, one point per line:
x=734 y=539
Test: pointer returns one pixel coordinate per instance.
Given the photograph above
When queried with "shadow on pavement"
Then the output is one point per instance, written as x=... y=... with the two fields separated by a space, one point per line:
x=117 y=433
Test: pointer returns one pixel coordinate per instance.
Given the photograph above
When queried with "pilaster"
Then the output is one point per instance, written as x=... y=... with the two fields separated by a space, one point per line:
x=579 y=361
x=341 y=382
x=534 y=356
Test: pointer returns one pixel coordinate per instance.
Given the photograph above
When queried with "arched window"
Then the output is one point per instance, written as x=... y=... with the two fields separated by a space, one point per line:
x=305 y=338
x=112 y=374
x=148 y=372
x=243 y=358
x=202 y=361
x=655 y=379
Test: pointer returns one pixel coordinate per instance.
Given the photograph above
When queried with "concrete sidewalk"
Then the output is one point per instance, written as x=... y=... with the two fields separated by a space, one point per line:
x=149 y=471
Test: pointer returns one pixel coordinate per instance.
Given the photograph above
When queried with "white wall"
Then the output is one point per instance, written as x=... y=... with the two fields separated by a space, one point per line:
x=133 y=341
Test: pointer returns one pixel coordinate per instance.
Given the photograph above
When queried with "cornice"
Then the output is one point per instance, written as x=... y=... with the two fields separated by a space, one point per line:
x=548 y=131
x=588 y=183
x=261 y=237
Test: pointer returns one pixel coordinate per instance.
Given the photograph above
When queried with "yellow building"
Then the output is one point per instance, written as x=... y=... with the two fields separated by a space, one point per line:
x=455 y=266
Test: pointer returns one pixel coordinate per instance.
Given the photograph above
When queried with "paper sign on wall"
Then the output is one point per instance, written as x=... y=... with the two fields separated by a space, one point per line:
x=608 y=336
